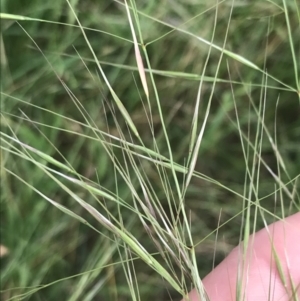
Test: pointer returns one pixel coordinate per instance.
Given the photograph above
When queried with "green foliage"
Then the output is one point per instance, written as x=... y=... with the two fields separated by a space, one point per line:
x=103 y=188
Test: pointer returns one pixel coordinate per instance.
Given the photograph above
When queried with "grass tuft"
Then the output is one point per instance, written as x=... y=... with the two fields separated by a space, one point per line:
x=141 y=142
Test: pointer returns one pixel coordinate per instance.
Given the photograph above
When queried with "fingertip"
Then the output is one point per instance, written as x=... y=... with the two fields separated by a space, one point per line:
x=261 y=271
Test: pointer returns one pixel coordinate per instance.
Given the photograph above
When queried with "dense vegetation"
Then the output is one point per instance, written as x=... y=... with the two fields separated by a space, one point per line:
x=213 y=149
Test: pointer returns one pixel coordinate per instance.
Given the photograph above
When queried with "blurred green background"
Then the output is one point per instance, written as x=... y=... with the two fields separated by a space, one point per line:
x=44 y=244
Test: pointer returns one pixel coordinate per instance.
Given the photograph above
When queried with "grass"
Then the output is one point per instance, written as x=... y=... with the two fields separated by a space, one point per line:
x=141 y=142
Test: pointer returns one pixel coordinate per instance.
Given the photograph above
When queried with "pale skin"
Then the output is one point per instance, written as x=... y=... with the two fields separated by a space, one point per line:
x=262 y=280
